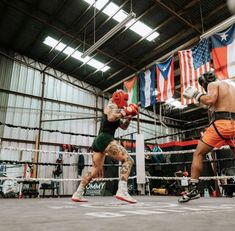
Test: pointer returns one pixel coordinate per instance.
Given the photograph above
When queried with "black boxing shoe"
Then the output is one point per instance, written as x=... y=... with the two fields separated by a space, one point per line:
x=192 y=195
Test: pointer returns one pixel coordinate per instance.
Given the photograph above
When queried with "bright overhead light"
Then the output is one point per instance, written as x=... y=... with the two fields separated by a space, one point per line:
x=111 y=9
x=152 y=36
x=107 y=36
x=99 y=4
x=143 y=30
x=139 y=27
x=51 y=42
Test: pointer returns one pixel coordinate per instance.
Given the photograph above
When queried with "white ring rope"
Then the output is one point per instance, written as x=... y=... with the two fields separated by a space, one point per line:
x=89 y=153
x=60 y=180
x=43 y=151
x=203 y=178
x=107 y=179
x=47 y=151
x=183 y=151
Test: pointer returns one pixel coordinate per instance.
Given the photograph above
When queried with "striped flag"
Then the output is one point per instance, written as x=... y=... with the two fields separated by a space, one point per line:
x=130 y=87
x=193 y=63
x=165 y=79
x=147 y=87
x=223 y=47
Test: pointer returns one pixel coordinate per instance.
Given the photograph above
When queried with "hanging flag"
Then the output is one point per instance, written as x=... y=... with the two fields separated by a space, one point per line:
x=147 y=87
x=165 y=79
x=193 y=63
x=223 y=46
x=130 y=87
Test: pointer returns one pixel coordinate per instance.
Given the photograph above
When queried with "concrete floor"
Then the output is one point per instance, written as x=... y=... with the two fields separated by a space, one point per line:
x=106 y=213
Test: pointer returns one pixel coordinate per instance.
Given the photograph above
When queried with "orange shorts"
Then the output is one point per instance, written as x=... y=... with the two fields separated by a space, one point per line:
x=226 y=128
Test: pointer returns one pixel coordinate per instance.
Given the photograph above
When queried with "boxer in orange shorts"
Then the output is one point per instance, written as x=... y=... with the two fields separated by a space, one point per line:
x=220 y=97
x=221 y=132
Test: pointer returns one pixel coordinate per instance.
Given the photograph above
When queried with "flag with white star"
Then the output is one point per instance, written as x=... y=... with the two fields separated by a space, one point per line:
x=193 y=63
x=165 y=79
x=223 y=53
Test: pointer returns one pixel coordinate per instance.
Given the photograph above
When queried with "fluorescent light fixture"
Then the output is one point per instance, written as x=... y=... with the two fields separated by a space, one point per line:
x=223 y=25
x=139 y=27
x=51 y=42
x=107 y=36
x=175 y=103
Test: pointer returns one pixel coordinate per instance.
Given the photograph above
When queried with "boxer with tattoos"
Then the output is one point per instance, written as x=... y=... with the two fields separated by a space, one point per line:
x=116 y=114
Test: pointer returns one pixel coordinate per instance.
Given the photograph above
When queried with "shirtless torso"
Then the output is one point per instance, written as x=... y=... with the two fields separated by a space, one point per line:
x=220 y=96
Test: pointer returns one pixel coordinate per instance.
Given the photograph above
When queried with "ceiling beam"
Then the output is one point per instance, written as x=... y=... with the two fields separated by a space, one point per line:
x=32 y=15
x=172 y=12
x=181 y=47
x=50 y=19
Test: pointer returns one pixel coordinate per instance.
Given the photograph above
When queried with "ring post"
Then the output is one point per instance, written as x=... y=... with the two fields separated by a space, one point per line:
x=140 y=163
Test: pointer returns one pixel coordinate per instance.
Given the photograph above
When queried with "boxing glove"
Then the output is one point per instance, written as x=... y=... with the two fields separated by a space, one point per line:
x=191 y=92
x=131 y=109
x=135 y=108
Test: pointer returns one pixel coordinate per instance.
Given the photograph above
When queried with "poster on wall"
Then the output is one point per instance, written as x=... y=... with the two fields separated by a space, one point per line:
x=96 y=189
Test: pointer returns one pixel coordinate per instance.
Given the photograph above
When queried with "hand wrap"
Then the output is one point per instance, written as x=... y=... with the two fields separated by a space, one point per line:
x=191 y=92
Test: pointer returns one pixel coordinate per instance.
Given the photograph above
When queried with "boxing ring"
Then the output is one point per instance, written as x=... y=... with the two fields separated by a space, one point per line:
x=107 y=213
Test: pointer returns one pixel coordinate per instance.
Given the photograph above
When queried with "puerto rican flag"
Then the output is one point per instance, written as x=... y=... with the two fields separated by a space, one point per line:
x=223 y=53
x=165 y=79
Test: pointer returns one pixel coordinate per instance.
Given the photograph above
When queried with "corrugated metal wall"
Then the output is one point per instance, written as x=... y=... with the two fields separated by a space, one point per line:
x=5 y=80
x=62 y=101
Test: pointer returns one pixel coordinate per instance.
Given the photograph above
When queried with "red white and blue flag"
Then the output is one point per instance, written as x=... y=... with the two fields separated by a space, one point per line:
x=165 y=79
x=147 y=87
x=223 y=53
x=193 y=63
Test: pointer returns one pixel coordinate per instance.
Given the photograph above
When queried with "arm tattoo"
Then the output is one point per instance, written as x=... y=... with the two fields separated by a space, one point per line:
x=112 y=112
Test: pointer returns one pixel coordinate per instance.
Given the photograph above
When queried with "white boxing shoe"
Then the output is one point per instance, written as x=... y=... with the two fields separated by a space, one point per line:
x=123 y=195
x=78 y=196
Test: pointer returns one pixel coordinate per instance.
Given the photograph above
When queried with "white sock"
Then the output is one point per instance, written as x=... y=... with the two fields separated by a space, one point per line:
x=80 y=189
x=122 y=184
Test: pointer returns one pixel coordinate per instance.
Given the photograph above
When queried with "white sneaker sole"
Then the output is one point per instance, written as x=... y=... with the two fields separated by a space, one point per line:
x=182 y=200
x=77 y=200
x=123 y=199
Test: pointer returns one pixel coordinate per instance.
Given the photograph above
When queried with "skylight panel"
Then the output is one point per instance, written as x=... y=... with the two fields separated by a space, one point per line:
x=59 y=46
x=143 y=30
x=110 y=9
x=105 y=68
x=99 y=4
x=95 y=63
x=120 y=16
x=139 y=27
x=152 y=36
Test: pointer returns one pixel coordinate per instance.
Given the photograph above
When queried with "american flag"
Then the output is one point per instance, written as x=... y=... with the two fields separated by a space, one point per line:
x=193 y=63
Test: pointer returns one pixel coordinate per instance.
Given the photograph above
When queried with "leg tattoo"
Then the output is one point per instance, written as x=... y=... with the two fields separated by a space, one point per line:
x=126 y=168
x=118 y=152
x=86 y=179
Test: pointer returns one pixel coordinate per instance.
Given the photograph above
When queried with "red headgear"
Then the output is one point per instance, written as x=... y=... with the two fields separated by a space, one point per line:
x=120 y=98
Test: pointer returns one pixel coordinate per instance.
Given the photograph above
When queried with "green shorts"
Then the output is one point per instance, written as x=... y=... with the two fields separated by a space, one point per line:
x=101 y=142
